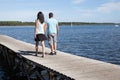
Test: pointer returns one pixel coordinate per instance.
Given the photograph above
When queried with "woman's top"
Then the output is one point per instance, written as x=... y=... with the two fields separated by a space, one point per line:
x=40 y=29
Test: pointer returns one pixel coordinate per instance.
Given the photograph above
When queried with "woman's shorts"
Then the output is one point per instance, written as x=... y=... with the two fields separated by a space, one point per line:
x=40 y=37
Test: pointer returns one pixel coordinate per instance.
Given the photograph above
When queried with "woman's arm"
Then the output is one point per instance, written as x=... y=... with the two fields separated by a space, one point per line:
x=36 y=26
x=45 y=27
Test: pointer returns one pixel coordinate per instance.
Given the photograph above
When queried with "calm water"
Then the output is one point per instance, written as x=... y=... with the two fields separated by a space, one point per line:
x=101 y=42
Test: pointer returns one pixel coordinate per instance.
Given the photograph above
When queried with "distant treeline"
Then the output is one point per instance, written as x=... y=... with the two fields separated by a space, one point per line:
x=15 y=23
x=19 y=23
x=84 y=23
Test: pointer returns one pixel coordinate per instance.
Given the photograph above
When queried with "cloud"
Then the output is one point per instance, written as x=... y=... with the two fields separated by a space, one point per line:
x=85 y=12
x=78 y=1
x=107 y=12
x=109 y=7
x=18 y=15
x=25 y=15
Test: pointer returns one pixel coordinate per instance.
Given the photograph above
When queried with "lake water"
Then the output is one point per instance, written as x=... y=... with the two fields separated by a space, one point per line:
x=100 y=42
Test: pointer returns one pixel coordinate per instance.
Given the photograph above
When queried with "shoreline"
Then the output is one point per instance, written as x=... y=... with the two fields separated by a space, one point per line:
x=19 y=23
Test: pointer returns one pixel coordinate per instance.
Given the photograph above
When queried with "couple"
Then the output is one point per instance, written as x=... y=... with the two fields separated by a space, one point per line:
x=40 y=30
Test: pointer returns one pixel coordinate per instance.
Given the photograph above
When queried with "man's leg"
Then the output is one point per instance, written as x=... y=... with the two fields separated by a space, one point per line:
x=51 y=43
x=55 y=47
x=52 y=49
x=55 y=43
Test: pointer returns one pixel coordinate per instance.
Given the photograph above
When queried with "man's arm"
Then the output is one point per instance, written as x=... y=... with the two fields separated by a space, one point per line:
x=57 y=27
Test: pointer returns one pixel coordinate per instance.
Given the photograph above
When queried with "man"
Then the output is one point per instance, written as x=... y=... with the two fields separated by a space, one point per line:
x=52 y=33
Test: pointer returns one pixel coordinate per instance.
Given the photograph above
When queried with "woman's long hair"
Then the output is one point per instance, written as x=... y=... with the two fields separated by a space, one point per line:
x=40 y=16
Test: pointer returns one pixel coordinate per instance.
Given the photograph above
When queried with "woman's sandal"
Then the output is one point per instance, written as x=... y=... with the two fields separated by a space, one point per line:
x=43 y=56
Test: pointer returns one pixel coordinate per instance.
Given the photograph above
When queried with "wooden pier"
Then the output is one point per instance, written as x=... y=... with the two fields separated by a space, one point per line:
x=63 y=66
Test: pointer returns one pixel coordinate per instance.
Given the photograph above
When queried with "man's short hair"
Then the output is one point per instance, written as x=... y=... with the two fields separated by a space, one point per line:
x=50 y=14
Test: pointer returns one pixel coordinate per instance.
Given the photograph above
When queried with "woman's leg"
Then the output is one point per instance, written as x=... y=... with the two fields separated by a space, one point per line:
x=43 y=48
x=36 y=47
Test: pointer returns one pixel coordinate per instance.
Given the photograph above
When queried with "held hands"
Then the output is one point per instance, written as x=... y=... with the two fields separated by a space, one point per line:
x=35 y=37
x=57 y=33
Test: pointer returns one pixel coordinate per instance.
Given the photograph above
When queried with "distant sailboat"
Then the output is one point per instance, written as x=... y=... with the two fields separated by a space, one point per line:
x=116 y=25
x=71 y=24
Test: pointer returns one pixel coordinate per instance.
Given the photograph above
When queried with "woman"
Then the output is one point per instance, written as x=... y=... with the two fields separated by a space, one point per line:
x=40 y=30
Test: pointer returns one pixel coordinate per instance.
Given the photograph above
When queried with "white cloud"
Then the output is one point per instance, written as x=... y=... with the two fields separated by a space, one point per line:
x=18 y=15
x=104 y=8
x=78 y=1
x=109 y=7
x=107 y=12
x=25 y=15
x=85 y=12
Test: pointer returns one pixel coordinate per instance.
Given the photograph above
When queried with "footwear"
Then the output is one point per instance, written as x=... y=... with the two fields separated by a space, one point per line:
x=35 y=55
x=43 y=56
x=51 y=53
x=55 y=53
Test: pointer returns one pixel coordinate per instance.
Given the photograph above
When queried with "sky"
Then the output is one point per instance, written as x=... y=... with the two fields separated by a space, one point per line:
x=64 y=10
